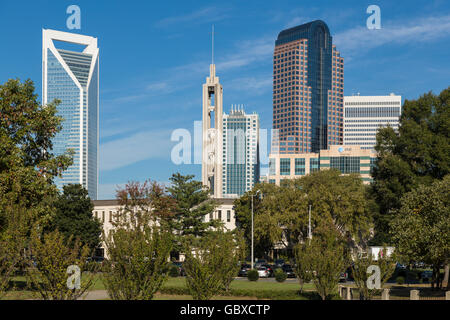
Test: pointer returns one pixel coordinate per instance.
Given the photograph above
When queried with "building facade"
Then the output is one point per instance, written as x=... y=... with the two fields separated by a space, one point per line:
x=73 y=78
x=364 y=115
x=347 y=159
x=240 y=152
x=308 y=87
x=106 y=211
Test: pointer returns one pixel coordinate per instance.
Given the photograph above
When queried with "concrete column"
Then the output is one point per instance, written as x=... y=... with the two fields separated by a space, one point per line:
x=385 y=294
x=340 y=291
x=447 y=295
x=414 y=295
x=349 y=293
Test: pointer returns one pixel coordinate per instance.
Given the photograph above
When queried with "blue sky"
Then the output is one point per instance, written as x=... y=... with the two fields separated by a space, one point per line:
x=155 y=55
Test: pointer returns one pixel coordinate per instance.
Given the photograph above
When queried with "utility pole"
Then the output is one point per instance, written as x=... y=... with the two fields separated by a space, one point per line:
x=309 y=225
x=252 y=255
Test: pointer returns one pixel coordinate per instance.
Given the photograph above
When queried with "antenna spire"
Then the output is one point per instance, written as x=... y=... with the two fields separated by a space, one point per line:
x=212 y=51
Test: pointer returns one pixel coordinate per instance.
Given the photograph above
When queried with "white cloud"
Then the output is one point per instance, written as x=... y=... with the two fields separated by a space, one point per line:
x=209 y=14
x=140 y=146
x=360 y=39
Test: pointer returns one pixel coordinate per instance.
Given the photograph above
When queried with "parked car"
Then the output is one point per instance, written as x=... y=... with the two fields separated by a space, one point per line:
x=288 y=270
x=279 y=262
x=270 y=269
x=263 y=272
x=343 y=277
x=244 y=269
x=260 y=262
x=426 y=275
x=400 y=266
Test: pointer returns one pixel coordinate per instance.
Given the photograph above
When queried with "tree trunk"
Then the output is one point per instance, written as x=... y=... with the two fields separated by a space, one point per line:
x=445 y=282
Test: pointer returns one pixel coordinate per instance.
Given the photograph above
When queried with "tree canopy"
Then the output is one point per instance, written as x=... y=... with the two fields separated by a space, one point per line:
x=418 y=153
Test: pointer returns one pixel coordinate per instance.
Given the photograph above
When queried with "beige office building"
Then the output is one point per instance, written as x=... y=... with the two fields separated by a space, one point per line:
x=106 y=210
x=347 y=159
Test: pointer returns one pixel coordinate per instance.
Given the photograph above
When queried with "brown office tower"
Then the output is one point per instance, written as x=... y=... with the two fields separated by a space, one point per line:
x=308 y=89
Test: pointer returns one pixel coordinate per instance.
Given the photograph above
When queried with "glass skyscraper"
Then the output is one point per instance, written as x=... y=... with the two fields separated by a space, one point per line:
x=308 y=89
x=240 y=152
x=72 y=77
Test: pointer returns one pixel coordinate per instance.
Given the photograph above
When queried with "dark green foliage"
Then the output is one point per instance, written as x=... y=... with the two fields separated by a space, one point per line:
x=325 y=256
x=420 y=229
x=74 y=216
x=26 y=170
x=418 y=154
x=174 y=272
x=400 y=280
x=204 y=267
x=252 y=275
x=192 y=205
x=280 y=275
x=281 y=216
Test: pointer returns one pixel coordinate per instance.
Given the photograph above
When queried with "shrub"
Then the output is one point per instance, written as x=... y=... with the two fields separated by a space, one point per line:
x=252 y=275
x=400 y=280
x=280 y=275
x=173 y=271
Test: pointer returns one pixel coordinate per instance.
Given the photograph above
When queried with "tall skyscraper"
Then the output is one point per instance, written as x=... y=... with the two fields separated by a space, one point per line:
x=308 y=89
x=240 y=152
x=364 y=115
x=212 y=127
x=73 y=78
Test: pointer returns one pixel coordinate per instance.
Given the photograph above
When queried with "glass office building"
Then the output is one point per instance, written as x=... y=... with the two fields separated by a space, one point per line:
x=308 y=87
x=72 y=77
x=240 y=152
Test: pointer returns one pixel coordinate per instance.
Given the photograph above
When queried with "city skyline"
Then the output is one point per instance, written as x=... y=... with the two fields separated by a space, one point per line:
x=382 y=66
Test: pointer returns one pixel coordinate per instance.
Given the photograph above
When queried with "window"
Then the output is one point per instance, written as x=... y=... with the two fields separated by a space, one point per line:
x=313 y=165
x=300 y=167
x=110 y=216
x=103 y=216
x=345 y=164
x=219 y=214
x=285 y=167
x=228 y=215
x=210 y=216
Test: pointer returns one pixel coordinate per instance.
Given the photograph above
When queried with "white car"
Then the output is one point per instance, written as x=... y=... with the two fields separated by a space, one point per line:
x=263 y=272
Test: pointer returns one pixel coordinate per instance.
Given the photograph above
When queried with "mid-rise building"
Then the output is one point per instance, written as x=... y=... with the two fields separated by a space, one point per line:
x=347 y=159
x=240 y=152
x=73 y=78
x=308 y=89
x=106 y=212
x=364 y=115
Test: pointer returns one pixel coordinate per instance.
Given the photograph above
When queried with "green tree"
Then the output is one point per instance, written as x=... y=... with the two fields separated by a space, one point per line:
x=52 y=256
x=138 y=248
x=27 y=166
x=282 y=215
x=417 y=154
x=232 y=253
x=302 y=271
x=193 y=203
x=264 y=238
x=420 y=229
x=325 y=256
x=206 y=274
x=359 y=272
x=74 y=216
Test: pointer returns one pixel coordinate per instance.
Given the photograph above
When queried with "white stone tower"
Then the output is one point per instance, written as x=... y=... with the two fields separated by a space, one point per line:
x=212 y=133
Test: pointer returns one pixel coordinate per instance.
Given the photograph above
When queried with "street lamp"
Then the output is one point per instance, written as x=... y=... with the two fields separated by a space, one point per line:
x=253 y=259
